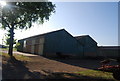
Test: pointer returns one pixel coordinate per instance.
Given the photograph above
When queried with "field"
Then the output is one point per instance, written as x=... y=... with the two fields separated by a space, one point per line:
x=38 y=67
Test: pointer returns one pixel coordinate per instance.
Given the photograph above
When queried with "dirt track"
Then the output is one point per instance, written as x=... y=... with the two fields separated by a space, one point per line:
x=37 y=68
x=43 y=64
x=40 y=67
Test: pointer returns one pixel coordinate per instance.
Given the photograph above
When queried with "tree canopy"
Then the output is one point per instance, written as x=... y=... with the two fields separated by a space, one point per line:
x=21 y=15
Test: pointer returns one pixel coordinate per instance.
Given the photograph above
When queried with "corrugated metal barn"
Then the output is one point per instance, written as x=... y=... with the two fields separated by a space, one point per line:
x=89 y=45
x=109 y=51
x=52 y=43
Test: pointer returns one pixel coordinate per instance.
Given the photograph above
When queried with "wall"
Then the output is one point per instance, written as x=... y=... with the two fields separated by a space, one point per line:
x=110 y=51
x=89 y=45
x=63 y=42
x=32 y=45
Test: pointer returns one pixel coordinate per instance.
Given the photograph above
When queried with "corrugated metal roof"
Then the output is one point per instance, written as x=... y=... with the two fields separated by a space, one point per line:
x=82 y=36
x=76 y=37
x=109 y=47
x=44 y=34
x=79 y=37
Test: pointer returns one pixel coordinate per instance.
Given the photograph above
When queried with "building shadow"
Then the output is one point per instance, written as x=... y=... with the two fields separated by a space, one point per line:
x=85 y=62
x=15 y=69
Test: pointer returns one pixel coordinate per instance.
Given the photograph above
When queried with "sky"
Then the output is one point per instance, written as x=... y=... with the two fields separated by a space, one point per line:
x=97 y=19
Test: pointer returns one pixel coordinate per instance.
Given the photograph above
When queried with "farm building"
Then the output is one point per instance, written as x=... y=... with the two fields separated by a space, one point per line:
x=109 y=51
x=52 y=43
x=58 y=42
x=89 y=45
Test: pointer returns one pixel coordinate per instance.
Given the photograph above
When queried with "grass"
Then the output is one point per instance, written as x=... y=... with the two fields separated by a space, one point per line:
x=6 y=49
x=22 y=57
x=17 y=56
x=96 y=74
x=89 y=73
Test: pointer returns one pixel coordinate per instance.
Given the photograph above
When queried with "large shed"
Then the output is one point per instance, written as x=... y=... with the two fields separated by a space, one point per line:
x=89 y=45
x=52 y=43
x=109 y=51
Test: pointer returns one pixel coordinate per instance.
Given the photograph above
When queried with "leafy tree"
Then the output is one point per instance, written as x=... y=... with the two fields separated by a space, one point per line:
x=7 y=39
x=17 y=45
x=21 y=15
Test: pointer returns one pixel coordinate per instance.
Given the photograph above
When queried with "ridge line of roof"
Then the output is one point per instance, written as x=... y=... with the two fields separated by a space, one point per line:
x=43 y=34
x=81 y=35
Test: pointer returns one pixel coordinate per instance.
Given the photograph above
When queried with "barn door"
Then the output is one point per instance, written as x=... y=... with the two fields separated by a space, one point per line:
x=36 y=50
x=41 y=44
x=33 y=46
x=41 y=49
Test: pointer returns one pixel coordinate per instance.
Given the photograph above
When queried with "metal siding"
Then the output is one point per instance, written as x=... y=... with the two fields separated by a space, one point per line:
x=108 y=52
x=33 y=46
x=62 y=42
x=90 y=48
x=41 y=45
x=36 y=50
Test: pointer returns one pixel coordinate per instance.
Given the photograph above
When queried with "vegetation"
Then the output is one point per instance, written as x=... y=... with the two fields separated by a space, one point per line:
x=18 y=57
x=93 y=75
x=21 y=15
x=96 y=74
x=6 y=49
x=7 y=39
x=86 y=74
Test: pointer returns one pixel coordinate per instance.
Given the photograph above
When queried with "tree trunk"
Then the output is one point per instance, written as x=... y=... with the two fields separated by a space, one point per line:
x=10 y=52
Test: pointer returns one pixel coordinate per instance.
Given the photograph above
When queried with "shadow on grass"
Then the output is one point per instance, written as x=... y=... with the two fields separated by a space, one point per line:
x=74 y=76
x=15 y=69
x=88 y=63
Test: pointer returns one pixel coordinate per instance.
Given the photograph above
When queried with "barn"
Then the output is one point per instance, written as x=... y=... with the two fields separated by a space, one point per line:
x=51 y=44
x=60 y=42
x=90 y=47
x=109 y=51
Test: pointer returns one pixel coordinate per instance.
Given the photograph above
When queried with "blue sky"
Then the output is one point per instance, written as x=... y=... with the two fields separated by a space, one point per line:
x=97 y=19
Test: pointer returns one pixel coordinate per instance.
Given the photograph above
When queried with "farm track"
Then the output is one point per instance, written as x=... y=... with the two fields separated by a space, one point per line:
x=40 y=63
x=44 y=68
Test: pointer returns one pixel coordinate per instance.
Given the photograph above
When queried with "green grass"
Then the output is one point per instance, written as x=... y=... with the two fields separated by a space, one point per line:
x=22 y=57
x=96 y=74
x=6 y=49
x=18 y=57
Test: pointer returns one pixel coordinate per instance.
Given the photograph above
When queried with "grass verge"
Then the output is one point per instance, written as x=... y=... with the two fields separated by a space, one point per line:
x=6 y=49
x=18 y=57
x=96 y=74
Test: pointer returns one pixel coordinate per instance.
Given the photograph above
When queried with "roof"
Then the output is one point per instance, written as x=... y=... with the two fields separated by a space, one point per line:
x=79 y=37
x=82 y=36
x=76 y=37
x=109 y=47
x=44 y=34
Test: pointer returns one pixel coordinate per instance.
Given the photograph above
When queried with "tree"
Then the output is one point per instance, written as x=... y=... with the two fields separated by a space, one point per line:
x=21 y=15
x=7 y=39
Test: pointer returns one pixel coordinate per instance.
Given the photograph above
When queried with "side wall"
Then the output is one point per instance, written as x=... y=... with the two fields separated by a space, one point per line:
x=32 y=45
x=108 y=52
x=63 y=42
x=89 y=45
